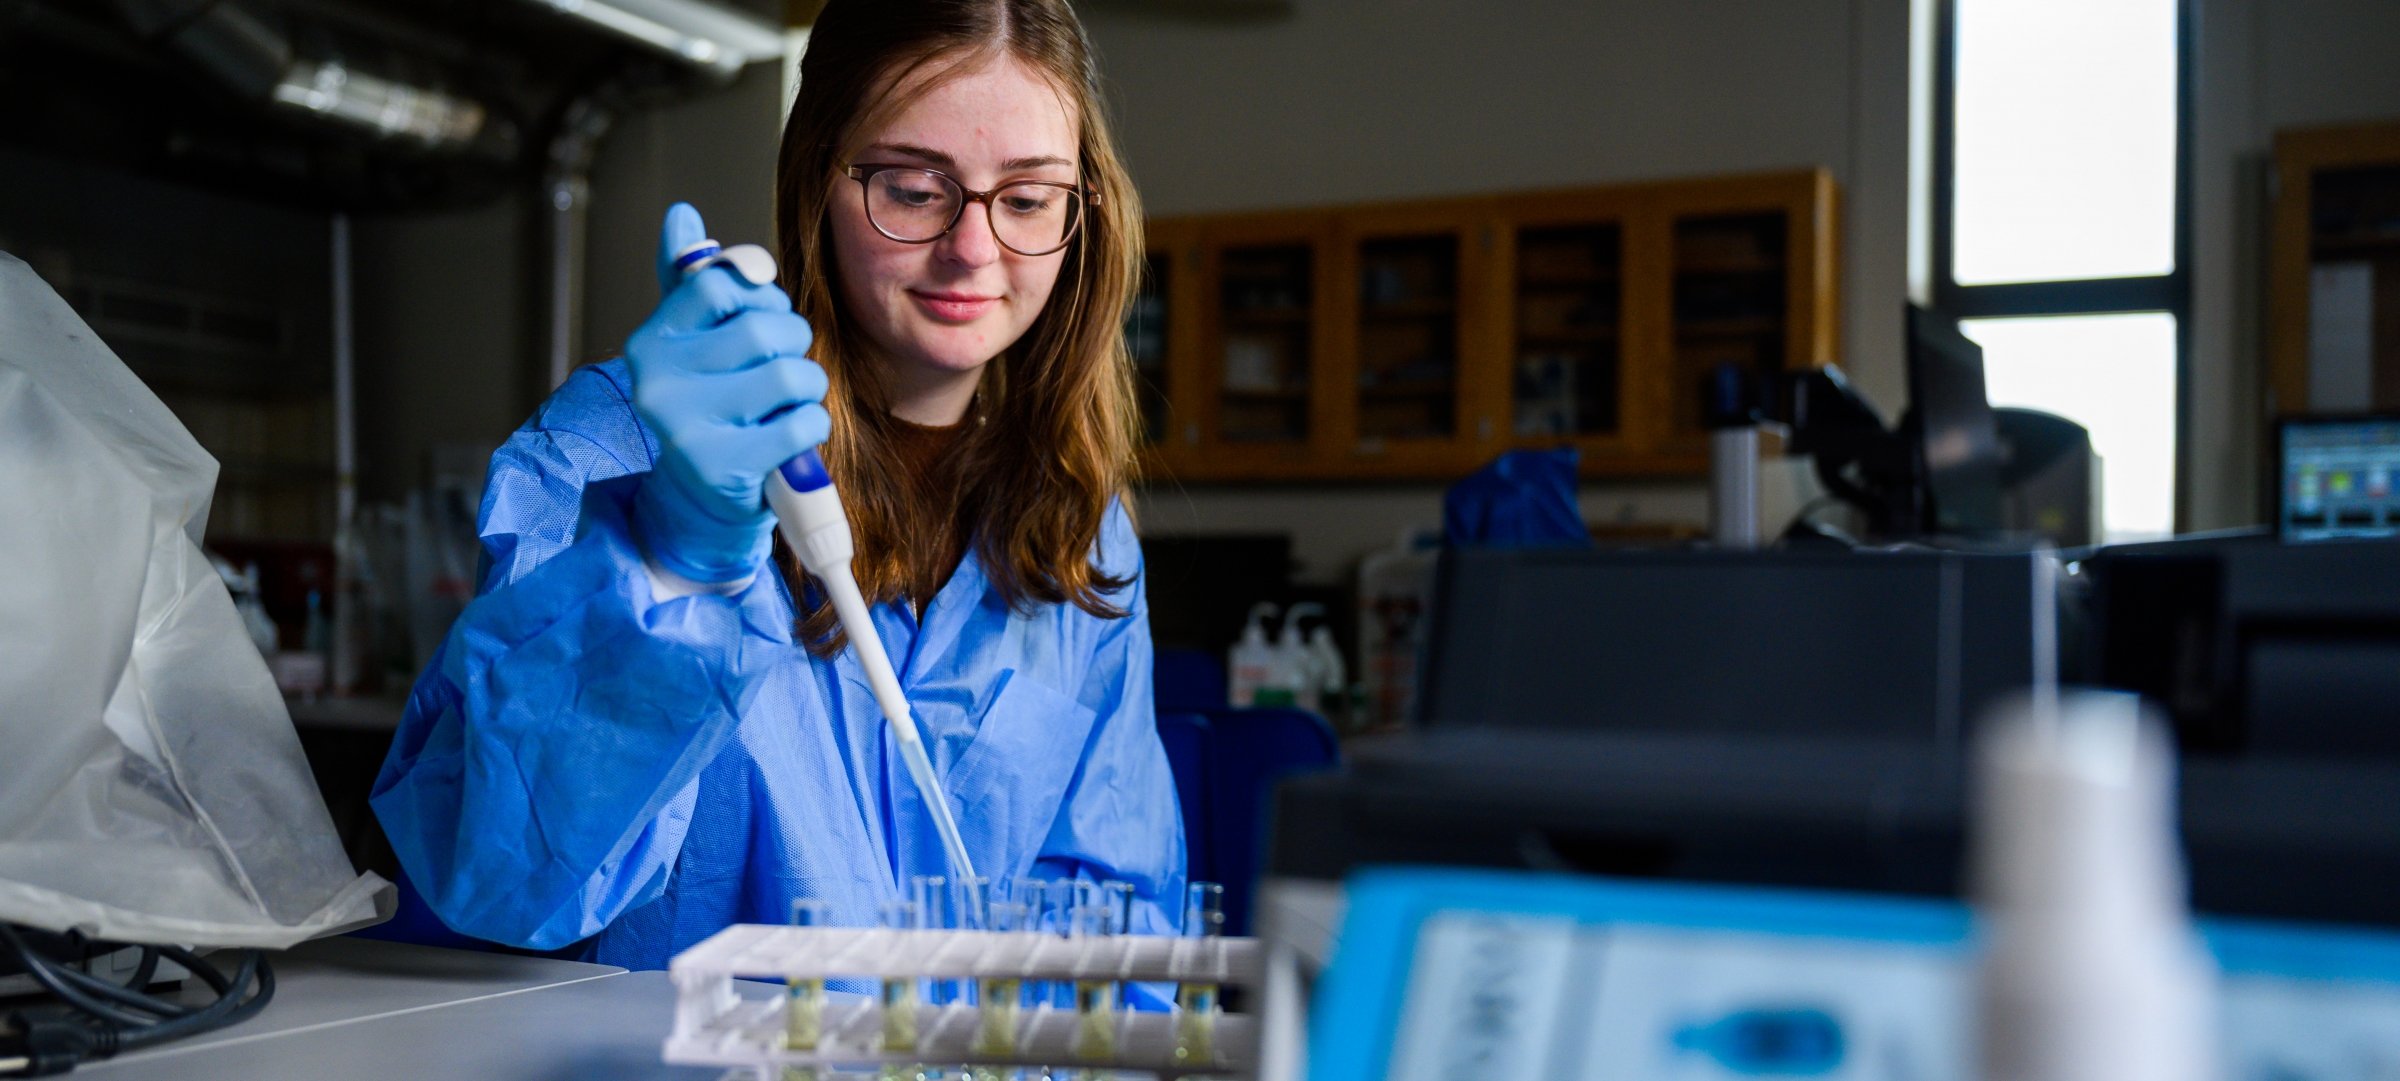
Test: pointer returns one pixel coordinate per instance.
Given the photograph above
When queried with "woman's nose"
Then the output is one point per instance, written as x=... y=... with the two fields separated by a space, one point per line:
x=971 y=242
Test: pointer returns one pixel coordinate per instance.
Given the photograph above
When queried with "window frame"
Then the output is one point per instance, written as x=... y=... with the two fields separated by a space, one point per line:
x=2170 y=292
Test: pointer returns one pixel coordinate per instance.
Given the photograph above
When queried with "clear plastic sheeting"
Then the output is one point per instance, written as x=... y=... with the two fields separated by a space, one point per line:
x=151 y=788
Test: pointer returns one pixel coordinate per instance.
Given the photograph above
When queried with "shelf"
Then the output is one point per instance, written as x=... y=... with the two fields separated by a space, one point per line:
x=1408 y=309
x=1728 y=328
x=2383 y=242
x=1593 y=336
x=1566 y=282
x=1727 y=266
x=1264 y=394
x=1412 y=389
x=1256 y=316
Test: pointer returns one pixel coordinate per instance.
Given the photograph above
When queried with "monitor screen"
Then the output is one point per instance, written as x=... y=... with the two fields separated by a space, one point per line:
x=1958 y=442
x=2338 y=476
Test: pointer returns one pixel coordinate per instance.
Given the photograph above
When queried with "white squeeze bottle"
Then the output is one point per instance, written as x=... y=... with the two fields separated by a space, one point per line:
x=1292 y=679
x=1333 y=683
x=1246 y=667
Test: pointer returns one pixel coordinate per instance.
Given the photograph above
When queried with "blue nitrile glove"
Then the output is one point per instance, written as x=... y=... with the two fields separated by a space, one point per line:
x=720 y=377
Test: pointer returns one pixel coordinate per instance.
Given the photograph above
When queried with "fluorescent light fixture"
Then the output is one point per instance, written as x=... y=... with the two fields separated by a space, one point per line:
x=698 y=33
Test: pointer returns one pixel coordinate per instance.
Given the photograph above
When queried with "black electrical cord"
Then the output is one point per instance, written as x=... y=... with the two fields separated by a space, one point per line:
x=109 y=1017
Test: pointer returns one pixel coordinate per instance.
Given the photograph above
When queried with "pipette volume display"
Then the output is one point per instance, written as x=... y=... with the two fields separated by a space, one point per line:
x=801 y=495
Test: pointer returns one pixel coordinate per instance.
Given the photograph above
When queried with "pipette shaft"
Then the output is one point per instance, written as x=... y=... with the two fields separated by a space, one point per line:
x=801 y=495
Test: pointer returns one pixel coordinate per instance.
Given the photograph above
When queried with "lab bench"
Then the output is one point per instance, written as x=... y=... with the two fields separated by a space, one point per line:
x=365 y=1010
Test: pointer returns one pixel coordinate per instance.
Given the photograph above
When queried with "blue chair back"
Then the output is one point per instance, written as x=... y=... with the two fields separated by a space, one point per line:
x=1187 y=681
x=1249 y=750
x=1185 y=736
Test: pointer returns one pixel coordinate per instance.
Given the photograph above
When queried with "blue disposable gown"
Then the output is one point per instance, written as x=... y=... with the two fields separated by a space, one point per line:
x=583 y=761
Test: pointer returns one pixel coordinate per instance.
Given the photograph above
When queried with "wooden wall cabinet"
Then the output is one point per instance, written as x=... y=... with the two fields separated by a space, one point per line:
x=1419 y=340
x=2333 y=311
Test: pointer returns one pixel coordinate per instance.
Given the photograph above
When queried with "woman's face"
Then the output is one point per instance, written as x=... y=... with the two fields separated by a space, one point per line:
x=941 y=310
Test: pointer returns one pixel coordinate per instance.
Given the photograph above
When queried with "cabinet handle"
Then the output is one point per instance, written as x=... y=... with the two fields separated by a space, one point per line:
x=1370 y=447
x=1191 y=434
x=1483 y=428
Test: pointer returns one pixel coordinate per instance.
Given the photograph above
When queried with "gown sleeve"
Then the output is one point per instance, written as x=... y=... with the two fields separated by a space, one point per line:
x=547 y=764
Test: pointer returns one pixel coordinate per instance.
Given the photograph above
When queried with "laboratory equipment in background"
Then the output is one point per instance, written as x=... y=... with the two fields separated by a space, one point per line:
x=1251 y=664
x=1950 y=428
x=1803 y=718
x=2337 y=476
x=1898 y=645
x=717 y=1025
x=1395 y=599
x=1439 y=973
x=2050 y=484
x=1735 y=416
x=242 y=585
x=2256 y=649
x=2087 y=967
x=1953 y=469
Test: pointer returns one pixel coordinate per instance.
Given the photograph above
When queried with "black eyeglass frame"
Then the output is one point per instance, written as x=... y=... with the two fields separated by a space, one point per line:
x=865 y=172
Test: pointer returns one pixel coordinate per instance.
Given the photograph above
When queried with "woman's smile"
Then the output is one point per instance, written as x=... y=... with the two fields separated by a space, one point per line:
x=952 y=307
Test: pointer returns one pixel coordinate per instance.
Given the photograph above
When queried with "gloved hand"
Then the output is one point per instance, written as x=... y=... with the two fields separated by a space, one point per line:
x=720 y=377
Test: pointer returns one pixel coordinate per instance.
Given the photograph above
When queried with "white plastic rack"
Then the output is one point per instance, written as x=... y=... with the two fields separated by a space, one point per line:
x=714 y=1026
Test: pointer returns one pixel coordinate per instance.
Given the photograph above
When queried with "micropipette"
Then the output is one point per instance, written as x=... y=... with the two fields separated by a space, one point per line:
x=810 y=512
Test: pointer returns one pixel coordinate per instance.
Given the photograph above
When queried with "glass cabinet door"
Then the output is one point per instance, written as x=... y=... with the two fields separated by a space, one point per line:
x=1729 y=306
x=1408 y=338
x=1568 y=352
x=1146 y=341
x=1265 y=305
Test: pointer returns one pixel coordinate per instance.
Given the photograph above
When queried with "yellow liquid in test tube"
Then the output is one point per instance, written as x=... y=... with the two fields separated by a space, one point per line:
x=803 y=1014
x=1095 y=1020
x=1195 y=1022
x=996 y=1031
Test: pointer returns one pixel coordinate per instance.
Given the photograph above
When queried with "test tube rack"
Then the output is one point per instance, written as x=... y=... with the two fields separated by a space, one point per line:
x=716 y=1026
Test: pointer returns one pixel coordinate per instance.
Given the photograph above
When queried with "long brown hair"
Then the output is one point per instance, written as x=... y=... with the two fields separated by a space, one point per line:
x=1033 y=484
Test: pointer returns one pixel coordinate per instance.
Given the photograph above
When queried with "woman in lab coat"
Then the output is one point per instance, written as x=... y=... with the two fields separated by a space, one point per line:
x=644 y=728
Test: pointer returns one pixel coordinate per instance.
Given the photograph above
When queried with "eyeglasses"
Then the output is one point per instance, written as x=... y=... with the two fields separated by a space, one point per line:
x=919 y=206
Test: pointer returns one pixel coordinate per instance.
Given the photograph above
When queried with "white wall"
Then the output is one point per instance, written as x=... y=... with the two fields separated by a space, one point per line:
x=1356 y=100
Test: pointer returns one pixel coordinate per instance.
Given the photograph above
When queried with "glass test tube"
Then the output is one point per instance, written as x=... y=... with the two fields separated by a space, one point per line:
x=1196 y=1002
x=996 y=1029
x=804 y=997
x=1058 y=899
x=970 y=910
x=1095 y=998
x=934 y=913
x=899 y=990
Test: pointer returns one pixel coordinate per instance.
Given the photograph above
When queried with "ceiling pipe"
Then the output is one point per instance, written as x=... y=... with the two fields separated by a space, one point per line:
x=566 y=217
x=256 y=61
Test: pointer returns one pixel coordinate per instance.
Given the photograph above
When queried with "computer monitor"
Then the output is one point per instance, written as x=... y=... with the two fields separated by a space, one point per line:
x=2339 y=473
x=1957 y=441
